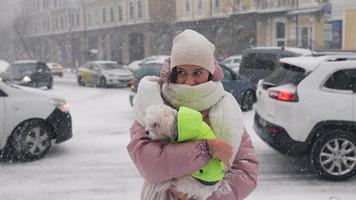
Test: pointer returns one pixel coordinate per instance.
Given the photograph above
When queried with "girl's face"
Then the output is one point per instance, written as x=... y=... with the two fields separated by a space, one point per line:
x=191 y=75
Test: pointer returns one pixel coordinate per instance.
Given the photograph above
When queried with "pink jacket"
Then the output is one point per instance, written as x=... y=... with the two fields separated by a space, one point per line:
x=158 y=162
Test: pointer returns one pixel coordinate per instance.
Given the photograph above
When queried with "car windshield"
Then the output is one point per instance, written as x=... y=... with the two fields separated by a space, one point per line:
x=258 y=61
x=21 y=67
x=285 y=74
x=110 y=66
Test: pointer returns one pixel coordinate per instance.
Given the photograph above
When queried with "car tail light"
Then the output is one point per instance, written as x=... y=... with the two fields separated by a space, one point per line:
x=133 y=84
x=275 y=130
x=283 y=95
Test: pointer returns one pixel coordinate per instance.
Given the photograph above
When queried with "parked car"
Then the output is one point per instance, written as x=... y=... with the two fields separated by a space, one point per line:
x=56 y=68
x=260 y=62
x=30 y=120
x=28 y=73
x=3 y=65
x=307 y=108
x=242 y=89
x=103 y=74
x=134 y=65
x=233 y=62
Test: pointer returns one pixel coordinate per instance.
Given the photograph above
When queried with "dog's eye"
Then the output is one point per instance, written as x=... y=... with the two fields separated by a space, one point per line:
x=155 y=125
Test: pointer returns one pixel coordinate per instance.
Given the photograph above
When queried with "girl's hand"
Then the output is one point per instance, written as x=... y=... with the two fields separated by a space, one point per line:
x=178 y=195
x=221 y=150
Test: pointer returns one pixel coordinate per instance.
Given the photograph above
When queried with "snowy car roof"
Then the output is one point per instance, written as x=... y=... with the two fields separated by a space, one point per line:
x=25 y=61
x=310 y=63
x=233 y=56
x=300 y=51
x=155 y=59
x=103 y=61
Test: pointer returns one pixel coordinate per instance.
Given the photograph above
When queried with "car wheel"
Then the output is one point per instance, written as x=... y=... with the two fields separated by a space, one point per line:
x=80 y=81
x=30 y=141
x=103 y=82
x=333 y=155
x=50 y=84
x=61 y=75
x=247 y=101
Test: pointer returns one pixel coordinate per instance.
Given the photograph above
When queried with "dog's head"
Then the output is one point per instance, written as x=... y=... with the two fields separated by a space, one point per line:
x=160 y=122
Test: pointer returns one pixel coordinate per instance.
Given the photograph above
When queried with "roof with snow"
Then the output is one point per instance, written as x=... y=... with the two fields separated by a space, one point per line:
x=300 y=51
x=310 y=63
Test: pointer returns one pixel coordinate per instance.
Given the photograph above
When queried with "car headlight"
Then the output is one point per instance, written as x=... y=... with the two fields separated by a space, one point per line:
x=60 y=104
x=26 y=79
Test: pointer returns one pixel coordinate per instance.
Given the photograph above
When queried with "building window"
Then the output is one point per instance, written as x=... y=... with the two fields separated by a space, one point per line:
x=132 y=10
x=280 y=33
x=120 y=13
x=104 y=15
x=187 y=5
x=200 y=4
x=77 y=19
x=71 y=20
x=62 y=23
x=96 y=16
x=90 y=18
x=112 y=17
x=217 y=3
x=236 y=2
x=139 y=9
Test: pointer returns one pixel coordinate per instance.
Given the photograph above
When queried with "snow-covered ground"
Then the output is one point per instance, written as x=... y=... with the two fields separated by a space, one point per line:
x=94 y=164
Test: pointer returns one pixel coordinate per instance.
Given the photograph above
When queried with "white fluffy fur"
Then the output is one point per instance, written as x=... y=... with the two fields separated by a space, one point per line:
x=160 y=123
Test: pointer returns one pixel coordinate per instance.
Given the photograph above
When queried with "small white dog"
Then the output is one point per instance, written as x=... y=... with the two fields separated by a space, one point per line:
x=161 y=124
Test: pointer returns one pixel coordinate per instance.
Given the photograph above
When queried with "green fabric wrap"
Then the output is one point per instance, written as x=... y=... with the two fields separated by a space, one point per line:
x=192 y=127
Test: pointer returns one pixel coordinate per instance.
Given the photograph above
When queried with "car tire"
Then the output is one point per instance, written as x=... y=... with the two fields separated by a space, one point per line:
x=333 y=155
x=80 y=81
x=30 y=141
x=61 y=75
x=247 y=101
x=103 y=82
x=50 y=84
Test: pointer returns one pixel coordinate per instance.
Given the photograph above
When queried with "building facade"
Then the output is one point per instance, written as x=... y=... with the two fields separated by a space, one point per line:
x=72 y=32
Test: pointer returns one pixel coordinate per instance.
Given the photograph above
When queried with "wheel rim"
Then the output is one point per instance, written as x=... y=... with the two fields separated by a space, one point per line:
x=36 y=141
x=338 y=156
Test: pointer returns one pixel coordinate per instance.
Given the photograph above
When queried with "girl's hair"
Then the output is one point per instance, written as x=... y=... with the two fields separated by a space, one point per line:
x=174 y=74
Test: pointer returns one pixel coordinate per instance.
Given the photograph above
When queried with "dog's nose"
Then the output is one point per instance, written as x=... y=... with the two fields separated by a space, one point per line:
x=147 y=132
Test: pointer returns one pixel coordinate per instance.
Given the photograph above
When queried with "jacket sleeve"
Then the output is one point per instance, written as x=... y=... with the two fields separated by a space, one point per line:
x=242 y=177
x=158 y=162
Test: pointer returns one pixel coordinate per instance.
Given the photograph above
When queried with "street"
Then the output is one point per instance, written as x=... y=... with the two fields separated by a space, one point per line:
x=94 y=164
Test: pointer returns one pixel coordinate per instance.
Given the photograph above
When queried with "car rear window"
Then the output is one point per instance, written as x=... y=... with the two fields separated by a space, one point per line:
x=259 y=61
x=285 y=74
x=152 y=69
x=21 y=67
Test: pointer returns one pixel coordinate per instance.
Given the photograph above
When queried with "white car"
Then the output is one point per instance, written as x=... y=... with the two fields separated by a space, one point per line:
x=30 y=119
x=3 y=65
x=103 y=74
x=134 y=65
x=308 y=108
x=233 y=62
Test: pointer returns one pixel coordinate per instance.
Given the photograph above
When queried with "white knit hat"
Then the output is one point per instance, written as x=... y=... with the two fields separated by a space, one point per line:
x=192 y=48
